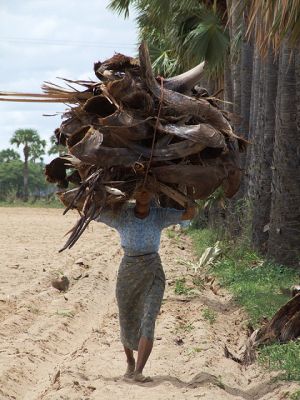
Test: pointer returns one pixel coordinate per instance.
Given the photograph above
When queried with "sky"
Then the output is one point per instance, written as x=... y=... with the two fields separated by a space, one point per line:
x=41 y=40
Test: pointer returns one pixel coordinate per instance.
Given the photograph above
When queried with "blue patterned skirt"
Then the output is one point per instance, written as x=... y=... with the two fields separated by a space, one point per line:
x=140 y=289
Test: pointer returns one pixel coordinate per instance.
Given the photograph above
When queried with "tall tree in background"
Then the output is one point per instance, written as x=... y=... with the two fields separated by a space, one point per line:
x=8 y=155
x=275 y=185
x=262 y=154
x=33 y=148
x=181 y=34
x=284 y=238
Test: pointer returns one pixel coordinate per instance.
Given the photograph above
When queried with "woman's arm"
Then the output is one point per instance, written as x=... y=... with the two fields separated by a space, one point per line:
x=171 y=216
x=108 y=217
x=189 y=213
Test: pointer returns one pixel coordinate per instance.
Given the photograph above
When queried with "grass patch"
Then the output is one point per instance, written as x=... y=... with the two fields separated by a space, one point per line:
x=171 y=234
x=198 y=282
x=54 y=203
x=66 y=313
x=193 y=288
x=175 y=235
x=184 y=327
x=194 y=350
x=255 y=283
x=180 y=287
x=209 y=315
x=295 y=395
x=203 y=238
x=257 y=286
x=282 y=357
x=219 y=383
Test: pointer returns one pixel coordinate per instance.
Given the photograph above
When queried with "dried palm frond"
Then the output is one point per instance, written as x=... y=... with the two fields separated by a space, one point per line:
x=132 y=129
x=273 y=20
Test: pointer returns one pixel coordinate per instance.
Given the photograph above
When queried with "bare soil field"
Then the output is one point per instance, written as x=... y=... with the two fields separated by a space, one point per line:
x=66 y=346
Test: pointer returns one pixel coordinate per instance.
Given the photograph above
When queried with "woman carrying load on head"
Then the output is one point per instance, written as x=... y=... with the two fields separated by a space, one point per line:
x=141 y=279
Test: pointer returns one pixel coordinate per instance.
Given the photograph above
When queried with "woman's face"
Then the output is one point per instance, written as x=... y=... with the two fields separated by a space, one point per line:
x=143 y=196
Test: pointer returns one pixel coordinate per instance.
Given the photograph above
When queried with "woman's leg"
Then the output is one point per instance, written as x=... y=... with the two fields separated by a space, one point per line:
x=144 y=351
x=129 y=355
x=128 y=316
x=130 y=363
x=139 y=291
x=151 y=309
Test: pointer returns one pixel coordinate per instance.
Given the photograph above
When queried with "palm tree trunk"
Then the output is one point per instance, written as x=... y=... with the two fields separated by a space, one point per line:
x=254 y=108
x=246 y=95
x=228 y=90
x=246 y=80
x=261 y=202
x=284 y=237
x=236 y=61
x=257 y=146
x=233 y=222
x=25 y=172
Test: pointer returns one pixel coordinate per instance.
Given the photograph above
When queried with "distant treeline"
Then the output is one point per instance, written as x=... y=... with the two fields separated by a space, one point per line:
x=12 y=181
x=21 y=179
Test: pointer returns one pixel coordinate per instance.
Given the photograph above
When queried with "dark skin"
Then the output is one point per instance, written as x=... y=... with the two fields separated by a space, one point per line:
x=143 y=199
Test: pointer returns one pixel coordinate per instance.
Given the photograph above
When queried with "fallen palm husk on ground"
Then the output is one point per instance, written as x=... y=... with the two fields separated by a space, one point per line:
x=131 y=128
x=283 y=327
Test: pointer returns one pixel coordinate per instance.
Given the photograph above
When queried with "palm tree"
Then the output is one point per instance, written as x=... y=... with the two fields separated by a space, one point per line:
x=181 y=34
x=263 y=148
x=275 y=25
x=238 y=72
x=33 y=146
x=8 y=155
x=55 y=148
x=284 y=238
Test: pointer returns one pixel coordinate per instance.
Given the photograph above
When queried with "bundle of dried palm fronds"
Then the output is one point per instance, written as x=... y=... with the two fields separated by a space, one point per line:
x=130 y=127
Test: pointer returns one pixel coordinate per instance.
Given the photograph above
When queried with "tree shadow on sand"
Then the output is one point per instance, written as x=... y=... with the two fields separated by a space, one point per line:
x=203 y=379
x=221 y=306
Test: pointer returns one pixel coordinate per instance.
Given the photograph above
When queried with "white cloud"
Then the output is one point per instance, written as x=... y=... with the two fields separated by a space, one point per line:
x=43 y=39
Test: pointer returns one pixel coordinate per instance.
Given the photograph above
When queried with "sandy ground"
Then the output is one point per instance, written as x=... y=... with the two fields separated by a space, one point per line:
x=66 y=345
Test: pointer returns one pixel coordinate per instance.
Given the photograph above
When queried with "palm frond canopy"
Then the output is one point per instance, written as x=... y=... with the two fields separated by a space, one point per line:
x=120 y=6
x=181 y=34
x=273 y=20
x=207 y=40
x=23 y=136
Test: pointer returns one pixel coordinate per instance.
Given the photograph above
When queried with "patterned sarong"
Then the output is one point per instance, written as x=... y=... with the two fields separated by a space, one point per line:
x=140 y=289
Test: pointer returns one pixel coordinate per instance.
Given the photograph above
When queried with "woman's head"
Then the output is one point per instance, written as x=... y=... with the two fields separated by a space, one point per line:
x=143 y=194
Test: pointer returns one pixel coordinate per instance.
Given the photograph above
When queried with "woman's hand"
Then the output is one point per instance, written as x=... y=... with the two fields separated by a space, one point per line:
x=190 y=211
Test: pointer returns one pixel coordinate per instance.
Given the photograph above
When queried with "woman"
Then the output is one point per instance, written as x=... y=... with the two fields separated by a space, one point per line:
x=141 y=280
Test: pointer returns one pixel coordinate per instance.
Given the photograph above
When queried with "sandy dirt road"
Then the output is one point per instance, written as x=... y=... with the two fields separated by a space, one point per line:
x=66 y=345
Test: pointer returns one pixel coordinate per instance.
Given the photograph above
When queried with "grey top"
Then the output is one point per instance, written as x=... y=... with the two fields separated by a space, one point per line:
x=141 y=236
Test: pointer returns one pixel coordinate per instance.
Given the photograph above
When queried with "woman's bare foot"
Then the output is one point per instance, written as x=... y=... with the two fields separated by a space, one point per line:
x=129 y=374
x=139 y=377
